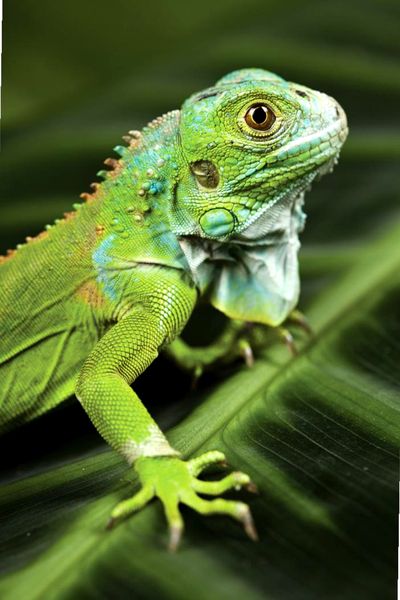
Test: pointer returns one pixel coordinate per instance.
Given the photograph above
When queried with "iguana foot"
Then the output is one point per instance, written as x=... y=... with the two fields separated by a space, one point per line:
x=174 y=481
x=232 y=344
x=240 y=339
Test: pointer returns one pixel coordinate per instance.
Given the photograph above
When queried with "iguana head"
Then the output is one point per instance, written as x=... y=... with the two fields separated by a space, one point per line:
x=250 y=146
x=248 y=143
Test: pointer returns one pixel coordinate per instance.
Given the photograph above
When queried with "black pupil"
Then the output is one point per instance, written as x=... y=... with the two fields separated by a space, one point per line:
x=259 y=115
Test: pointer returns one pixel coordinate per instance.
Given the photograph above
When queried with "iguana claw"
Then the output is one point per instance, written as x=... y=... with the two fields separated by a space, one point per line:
x=175 y=482
x=175 y=536
x=287 y=339
x=246 y=352
x=110 y=523
x=297 y=318
x=248 y=524
x=252 y=488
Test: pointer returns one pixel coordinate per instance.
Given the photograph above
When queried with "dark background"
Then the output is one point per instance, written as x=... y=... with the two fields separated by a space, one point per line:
x=77 y=75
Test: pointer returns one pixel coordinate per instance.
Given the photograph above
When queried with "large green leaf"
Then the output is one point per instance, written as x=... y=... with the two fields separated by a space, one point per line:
x=319 y=432
x=319 y=436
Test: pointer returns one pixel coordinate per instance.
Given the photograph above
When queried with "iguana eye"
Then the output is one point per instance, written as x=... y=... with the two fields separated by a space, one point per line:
x=260 y=117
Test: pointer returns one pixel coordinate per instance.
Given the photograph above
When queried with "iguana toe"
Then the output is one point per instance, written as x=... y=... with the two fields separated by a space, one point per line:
x=174 y=481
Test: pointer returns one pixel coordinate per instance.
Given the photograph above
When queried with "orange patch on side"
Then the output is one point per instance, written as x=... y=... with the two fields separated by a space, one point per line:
x=91 y=295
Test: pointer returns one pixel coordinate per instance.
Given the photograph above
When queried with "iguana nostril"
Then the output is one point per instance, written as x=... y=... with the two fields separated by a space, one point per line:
x=206 y=173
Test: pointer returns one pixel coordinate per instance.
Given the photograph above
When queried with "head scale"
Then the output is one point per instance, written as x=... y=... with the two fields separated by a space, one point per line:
x=251 y=145
x=237 y=171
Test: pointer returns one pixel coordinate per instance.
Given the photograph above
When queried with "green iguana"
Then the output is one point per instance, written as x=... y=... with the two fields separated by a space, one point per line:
x=204 y=202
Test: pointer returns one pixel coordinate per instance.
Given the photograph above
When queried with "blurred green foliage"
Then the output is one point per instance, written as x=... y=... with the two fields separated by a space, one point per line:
x=319 y=433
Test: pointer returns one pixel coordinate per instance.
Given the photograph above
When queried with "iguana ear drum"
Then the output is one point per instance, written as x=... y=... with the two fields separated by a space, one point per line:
x=206 y=173
x=217 y=222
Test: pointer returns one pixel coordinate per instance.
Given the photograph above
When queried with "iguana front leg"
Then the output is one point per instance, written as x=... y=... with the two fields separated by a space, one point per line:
x=124 y=352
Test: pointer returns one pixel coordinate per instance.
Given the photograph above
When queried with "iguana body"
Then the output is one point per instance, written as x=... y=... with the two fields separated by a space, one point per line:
x=206 y=202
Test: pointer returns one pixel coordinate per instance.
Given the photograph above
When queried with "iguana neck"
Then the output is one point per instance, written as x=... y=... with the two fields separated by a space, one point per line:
x=252 y=277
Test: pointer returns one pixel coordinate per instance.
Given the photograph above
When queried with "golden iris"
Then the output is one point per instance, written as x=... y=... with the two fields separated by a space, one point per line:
x=260 y=117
